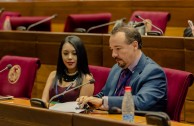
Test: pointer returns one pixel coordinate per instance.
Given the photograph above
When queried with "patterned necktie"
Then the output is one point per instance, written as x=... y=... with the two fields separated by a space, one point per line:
x=123 y=79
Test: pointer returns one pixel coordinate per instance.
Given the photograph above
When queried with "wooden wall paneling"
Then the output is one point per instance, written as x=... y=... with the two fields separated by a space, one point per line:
x=107 y=59
x=41 y=78
x=62 y=8
x=25 y=8
x=189 y=62
x=189 y=56
x=47 y=47
x=166 y=51
x=189 y=116
x=17 y=44
x=119 y=9
x=166 y=58
x=93 y=44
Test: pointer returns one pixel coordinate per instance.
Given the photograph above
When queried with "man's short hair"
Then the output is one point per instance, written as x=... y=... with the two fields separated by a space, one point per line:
x=131 y=35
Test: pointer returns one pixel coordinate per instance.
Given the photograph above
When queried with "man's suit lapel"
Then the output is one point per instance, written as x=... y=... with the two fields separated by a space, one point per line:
x=138 y=69
x=115 y=80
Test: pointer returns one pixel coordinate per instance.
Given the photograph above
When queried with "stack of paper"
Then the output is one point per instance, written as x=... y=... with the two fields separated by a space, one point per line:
x=67 y=107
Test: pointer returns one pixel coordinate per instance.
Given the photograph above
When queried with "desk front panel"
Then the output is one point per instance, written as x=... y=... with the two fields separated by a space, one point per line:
x=18 y=112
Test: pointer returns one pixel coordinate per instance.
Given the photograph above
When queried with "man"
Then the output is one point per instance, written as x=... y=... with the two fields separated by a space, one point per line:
x=147 y=79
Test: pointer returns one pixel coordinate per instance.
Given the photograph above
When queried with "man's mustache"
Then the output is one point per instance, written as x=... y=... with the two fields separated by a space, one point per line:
x=117 y=58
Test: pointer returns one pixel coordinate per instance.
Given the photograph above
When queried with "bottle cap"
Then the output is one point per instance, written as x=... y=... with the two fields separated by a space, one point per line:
x=128 y=88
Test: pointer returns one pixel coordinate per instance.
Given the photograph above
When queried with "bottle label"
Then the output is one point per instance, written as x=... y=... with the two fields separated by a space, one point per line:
x=128 y=117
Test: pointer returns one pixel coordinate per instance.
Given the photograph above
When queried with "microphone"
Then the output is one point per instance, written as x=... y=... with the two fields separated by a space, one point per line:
x=140 y=26
x=139 y=17
x=9 y=66
x=23 y=28
x=82 y=30
x=36 y=102
x=119 y=23
x=67 y=91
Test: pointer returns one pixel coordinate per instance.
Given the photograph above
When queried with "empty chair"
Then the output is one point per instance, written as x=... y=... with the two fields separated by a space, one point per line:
x=159 y=19
x=27 y=23
x=18 y=80
x=178 y=84
x=100 y=75
x=7 y=13
x=86 y=21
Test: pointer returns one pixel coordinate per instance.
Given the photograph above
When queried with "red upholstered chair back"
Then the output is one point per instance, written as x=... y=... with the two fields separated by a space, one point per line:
x=19 y=80
x=27 y=21
x=87 y=21
x=7 y=13
x=100 y=75
x=158 y=18
x=178 y=84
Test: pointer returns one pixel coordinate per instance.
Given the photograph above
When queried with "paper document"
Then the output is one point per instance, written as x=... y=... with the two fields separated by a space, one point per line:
x=67 y=107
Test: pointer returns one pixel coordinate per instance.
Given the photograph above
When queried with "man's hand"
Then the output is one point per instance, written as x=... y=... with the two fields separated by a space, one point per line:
x=91 y=101
x=148 y=25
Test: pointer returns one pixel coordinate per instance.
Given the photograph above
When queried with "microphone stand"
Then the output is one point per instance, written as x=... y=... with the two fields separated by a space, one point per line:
x=67 y=91
x=9 y=66
x=137 y=16
x=42 y=21
x=102 y=25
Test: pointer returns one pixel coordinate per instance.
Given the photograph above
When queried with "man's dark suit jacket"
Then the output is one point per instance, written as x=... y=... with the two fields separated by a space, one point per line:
x=148 y=82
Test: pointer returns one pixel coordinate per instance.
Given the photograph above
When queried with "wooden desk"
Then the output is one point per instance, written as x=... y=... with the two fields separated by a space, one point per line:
x=22 y=105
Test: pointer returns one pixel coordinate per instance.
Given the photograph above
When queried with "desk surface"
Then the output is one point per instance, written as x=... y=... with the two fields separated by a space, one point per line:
x=96 y=114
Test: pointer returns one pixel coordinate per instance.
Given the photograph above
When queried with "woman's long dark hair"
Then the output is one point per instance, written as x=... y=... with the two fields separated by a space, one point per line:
x=82 y=60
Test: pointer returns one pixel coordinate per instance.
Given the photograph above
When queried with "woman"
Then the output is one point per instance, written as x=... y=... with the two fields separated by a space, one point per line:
x=72 y=70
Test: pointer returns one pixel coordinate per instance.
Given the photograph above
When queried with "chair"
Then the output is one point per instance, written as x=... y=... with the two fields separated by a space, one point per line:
x=86 y=21
x=178 y=84
x=100 y=75
x=25 y=22
x=19 y=80
x=5 y=14
x=158 y=18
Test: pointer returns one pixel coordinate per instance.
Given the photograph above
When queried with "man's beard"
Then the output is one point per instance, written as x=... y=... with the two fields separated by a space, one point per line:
x=122 y=65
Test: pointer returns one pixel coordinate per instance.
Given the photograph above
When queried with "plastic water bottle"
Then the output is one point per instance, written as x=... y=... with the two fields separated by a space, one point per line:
x=128 y=106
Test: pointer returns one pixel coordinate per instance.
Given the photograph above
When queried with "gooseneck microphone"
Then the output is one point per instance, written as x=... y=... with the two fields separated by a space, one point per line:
x=23 y=28
x=67 y=91
x=9 y=66
x=82 y=30
x=139 y=17
x=102 y=25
